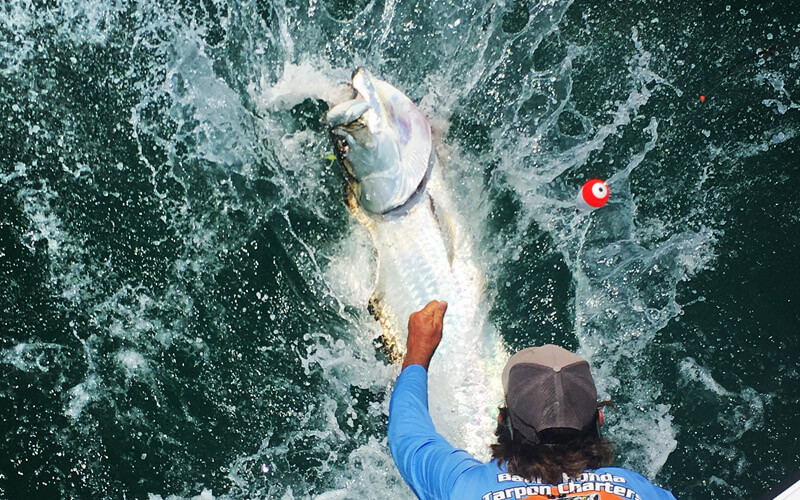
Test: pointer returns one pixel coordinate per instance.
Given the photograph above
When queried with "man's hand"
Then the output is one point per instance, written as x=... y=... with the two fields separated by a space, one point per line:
x=424 y=334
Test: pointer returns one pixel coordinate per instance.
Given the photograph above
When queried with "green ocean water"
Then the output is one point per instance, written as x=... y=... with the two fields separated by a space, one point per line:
x=182 y=311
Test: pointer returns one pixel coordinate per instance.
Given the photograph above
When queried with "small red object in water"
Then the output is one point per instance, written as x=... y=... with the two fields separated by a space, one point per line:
x=593 y=194
x=702 y=98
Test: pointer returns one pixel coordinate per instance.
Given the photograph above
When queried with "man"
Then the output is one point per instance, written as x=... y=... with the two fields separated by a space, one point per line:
x=549 y=443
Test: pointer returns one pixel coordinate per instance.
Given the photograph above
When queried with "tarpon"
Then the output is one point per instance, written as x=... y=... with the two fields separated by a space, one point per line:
x=384 y=143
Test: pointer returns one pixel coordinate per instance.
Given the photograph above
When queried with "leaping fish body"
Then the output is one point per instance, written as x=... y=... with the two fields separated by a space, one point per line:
x=384 y=143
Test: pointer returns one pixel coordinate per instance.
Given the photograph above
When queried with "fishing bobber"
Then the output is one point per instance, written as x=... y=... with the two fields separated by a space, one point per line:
x=593 y=194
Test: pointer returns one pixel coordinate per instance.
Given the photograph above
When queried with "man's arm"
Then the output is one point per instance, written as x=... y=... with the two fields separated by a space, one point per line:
x=427 y=462
x=424 y=334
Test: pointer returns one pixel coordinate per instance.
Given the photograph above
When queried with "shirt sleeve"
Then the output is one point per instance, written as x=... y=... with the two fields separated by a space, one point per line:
x=427 y=462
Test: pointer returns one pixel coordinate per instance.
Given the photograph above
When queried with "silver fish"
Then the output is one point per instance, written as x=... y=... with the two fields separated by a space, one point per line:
x=384 y=142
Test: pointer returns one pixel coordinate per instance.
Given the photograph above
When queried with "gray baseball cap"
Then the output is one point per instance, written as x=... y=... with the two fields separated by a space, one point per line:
x=549 y=387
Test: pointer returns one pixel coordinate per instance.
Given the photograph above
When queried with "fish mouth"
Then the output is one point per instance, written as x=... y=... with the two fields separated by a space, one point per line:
x=383 y=141
x=349 y=123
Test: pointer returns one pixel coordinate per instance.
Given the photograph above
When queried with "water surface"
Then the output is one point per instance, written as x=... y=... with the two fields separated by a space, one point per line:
x=184 y=295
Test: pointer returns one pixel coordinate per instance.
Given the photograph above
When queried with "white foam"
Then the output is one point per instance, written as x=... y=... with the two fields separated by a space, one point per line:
x=784 y=102
x=132 y=362
x=341 y=494
x=649 y=437
x=205 y=494
x=692 y=371
x=349 y=363
x=304 y=81
x=30 y=357
x=81 y=395
x=739 y=412
x=351 y=273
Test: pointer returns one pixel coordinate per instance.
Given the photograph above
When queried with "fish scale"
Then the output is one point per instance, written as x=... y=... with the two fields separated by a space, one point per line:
x=415 y=268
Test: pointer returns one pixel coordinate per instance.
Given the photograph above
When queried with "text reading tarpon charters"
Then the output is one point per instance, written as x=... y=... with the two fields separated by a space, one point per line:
x=588 y=482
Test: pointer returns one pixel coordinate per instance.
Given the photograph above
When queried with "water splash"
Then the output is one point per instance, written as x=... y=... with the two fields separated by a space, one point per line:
x=183 y=282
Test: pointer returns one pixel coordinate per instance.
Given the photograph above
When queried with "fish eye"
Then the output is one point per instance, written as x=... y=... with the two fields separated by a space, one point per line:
x=340 y=143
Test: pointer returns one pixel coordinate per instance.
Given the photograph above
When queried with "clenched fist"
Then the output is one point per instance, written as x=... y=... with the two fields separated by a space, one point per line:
x=424 y=333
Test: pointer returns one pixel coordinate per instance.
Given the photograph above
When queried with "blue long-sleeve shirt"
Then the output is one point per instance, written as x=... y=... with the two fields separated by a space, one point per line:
x=436 y=470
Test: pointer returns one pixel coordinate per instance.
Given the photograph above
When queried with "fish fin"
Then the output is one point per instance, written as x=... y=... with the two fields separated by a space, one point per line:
x=445 y=228
x=351 y=196
x=389 y=341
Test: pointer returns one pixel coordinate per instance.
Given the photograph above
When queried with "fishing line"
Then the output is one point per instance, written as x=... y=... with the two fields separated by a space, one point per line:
x=733 y=67
x=736 y=65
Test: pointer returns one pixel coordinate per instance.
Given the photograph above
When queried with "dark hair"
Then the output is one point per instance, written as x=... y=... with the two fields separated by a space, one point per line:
x=566 y=452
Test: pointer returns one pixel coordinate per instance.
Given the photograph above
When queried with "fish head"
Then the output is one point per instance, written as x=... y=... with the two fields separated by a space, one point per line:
x=383 y=141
